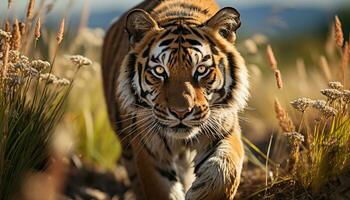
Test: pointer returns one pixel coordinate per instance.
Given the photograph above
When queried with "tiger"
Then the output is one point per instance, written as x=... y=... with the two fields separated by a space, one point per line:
x=174 y=84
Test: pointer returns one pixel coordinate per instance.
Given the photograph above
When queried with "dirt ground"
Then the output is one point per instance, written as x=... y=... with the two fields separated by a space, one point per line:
x=92 y=184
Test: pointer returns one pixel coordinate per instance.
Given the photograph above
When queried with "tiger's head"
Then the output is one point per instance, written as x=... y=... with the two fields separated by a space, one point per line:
x=187 y=74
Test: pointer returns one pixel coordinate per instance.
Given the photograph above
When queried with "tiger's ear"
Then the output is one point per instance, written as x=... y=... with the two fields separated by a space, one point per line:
x=226 y=22
x=138 y=22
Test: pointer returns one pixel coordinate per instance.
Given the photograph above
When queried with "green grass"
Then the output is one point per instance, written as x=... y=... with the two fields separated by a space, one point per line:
x=96 y=142
x=329 y=151
x=29 y=112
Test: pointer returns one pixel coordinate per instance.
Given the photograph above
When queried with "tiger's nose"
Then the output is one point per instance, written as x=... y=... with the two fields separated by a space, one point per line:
x=180 y=113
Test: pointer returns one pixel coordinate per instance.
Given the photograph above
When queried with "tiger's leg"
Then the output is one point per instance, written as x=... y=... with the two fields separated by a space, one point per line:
x=158 y=177
x=124 y=131
x=218 y=169
x=185 y=168
x=127 y=161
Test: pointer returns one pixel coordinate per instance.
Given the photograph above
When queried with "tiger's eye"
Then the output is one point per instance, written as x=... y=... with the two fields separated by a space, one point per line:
x=159 y=70
x=201 y=69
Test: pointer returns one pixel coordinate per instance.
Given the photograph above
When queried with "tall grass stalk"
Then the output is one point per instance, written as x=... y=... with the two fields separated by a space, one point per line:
x=325 y=154
x=32 y=102
x=27 y=122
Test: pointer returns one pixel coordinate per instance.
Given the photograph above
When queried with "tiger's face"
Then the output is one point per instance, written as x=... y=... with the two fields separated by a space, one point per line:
x=185 y=72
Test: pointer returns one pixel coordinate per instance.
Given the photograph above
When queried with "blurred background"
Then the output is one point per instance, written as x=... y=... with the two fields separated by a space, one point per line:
x=281 y=19
x=272 y=17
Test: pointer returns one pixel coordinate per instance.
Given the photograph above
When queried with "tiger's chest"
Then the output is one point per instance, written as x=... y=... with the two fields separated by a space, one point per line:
x=174 y=150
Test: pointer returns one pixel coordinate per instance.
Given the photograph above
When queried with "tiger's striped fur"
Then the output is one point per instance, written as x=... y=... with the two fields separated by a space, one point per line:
x=174 y=84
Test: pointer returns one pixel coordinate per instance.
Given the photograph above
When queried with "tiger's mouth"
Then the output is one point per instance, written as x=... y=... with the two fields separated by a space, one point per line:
x=180 y=131
x=182 y=128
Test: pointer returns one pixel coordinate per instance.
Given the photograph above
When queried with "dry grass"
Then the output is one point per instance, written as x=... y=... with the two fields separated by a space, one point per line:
x=319 y=146
x=32 y=102
x=60 y=32
x=273 y=64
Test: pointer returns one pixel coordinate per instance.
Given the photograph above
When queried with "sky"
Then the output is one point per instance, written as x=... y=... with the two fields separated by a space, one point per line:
x=108 y=5
x=103 y=10
x=241 y=3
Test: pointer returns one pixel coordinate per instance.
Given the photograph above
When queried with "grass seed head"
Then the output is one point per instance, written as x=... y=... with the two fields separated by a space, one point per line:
x=22 y=28
x=40 y=65
x=79 y=60
x=339 y=36
x=329 y=112
x=19 y=62
x=335 y=85
x=5 y=38
x=13 y=80
x=271 y=58
x=37 y=32
x=332 y=94
x=62 y=82
x=326 y=111
x=7 y=26
x=24 y=59
x=278 y=77
x=14 y=56
x=301 y=104
x=5 y=59
x=30 y=72
x=319 y=104
x=283 y=118
x=5 y=35
x=60 y=32
x=30 y=9
x=19 y=66
x=50 y=78
x=16 y=36
x=295 y=136
x=346 y=96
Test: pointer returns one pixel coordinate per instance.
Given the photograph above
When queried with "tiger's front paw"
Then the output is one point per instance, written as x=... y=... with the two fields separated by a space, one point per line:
x=218 y=171
x=217 y=179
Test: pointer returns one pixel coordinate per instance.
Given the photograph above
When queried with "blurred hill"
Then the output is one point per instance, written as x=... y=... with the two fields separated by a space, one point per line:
x=269 y=20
